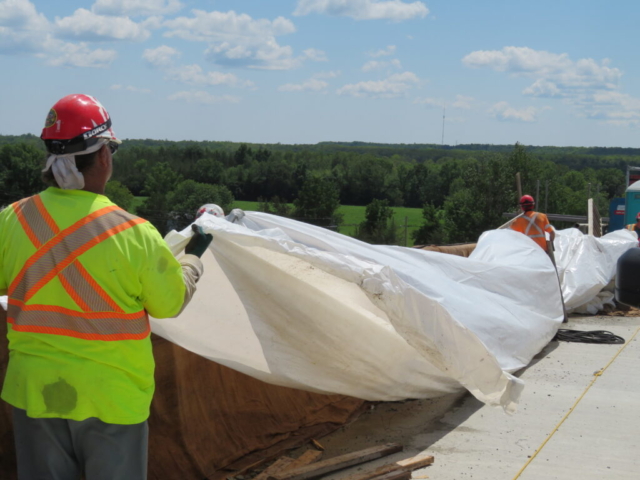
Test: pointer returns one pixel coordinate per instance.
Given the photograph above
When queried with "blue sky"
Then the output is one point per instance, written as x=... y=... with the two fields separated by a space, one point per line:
x=560 y=72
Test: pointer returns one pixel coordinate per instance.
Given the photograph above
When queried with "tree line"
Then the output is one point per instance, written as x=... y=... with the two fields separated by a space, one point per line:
x=462 y=191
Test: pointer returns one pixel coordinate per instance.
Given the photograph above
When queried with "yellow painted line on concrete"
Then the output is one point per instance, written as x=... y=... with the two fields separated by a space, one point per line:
x=595 y=377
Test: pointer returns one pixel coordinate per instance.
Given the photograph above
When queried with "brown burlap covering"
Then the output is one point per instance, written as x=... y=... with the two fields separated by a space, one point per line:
x=463 y=250
x=205 y=417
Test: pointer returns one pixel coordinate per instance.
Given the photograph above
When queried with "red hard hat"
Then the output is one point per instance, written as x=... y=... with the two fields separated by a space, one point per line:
x=210 y=208
x=638 y=216
x=527 y=200
x=75 y=123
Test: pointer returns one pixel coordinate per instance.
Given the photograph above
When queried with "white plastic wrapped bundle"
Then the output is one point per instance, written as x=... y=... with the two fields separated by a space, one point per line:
x=587 y=264
x=301 y=306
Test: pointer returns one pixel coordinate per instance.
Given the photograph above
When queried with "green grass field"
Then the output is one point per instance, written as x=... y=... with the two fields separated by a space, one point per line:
x=354 y=215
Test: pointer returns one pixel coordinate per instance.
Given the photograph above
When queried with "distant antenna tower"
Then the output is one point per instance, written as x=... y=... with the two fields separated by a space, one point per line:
x=444 y=109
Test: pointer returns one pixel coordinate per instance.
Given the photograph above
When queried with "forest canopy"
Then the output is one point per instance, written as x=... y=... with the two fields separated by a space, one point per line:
x=463 y=190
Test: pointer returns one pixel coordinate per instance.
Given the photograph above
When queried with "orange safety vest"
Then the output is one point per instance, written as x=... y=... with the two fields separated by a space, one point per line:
x=534 y=227
x=57 y=256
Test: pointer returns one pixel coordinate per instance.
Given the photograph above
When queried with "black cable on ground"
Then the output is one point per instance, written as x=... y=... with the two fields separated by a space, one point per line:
x=595 y=336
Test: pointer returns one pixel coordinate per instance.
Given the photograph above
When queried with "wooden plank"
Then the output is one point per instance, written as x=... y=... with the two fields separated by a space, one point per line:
x=317 y=444
x=406 y=465
x=337 y=463
x=399 y=475
x=260 y=457
x=276 y=467
x=307 y=458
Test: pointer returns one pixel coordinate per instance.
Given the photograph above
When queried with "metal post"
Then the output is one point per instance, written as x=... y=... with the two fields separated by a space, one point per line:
x=546 y=196
x=518 y=186
x=627 y=184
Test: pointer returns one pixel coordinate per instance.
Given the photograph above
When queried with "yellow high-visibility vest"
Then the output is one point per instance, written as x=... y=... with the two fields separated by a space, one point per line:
x=81 y=276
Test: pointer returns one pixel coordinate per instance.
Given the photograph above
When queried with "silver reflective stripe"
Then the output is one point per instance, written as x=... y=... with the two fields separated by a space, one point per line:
x=532 y=224
x=60 y=255
x=84 y=290
x=37 y=223
x=97 y=328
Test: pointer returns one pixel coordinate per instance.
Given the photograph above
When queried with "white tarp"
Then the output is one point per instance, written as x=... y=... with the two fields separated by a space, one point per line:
x=587 y=264
x=301 y=306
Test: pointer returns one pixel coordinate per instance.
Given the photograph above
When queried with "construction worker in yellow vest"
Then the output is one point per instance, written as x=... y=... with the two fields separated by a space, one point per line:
x=533 y=224
x=82 y=275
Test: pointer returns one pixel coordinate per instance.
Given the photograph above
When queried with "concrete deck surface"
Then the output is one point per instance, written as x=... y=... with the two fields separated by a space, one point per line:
x=598 y=440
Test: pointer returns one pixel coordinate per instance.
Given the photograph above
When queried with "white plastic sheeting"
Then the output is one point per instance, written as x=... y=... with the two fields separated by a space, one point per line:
x=586 y=265
x=301 y=306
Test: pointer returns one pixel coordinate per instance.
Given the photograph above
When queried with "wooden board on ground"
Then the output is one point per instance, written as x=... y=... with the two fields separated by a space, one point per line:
x=338 y=463
x=307 y=458
x=407 y=465
x=276 y=467
x=285 y=464
x=395 y=476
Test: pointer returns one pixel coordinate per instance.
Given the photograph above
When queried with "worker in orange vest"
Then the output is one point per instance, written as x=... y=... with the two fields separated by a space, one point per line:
x=82 y=277
x=533 y=224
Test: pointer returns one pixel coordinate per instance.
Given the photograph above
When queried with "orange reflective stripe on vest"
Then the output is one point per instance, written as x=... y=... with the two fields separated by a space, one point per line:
x=56 y=256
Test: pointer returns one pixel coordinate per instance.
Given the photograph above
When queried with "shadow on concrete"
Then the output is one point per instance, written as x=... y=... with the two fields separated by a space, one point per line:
x=551 y=346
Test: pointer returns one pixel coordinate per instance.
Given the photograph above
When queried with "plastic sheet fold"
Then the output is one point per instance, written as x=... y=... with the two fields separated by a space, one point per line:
x=301 y=306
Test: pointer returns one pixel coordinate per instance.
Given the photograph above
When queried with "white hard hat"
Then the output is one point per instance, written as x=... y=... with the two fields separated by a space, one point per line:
x=210 y=208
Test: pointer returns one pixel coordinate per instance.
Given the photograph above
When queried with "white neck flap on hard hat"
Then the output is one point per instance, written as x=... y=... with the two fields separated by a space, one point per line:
x=65 y=170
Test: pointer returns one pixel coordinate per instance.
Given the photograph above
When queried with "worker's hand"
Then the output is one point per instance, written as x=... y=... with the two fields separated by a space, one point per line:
x=199 y=242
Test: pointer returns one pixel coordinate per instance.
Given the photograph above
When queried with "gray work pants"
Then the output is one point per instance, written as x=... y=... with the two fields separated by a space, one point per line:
x=58 y=449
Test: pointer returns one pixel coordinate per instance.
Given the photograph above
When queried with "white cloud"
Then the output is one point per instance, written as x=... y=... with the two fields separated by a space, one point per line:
x=615 y=108
x=24 y=30
x=241 y=41
x=396 y=10
x=463 y=102
x=20 y=14
x=203 y=98
x=460 y=102
x=130 y=88
x=161 y=57
x=226 y=27
x=543 y=88
x=393 y=86
x=195 y=75
x=315 y=55
x=503 y=111
x=556 y=74
x=380 y=65
x=164 y=58
x=585 y=84
x=311 y=85
x=430 y=102
x=78 y=55
x=136 y=7
x=88 y=26
x=385 y=52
